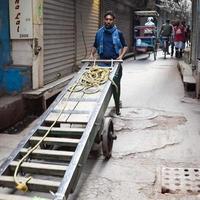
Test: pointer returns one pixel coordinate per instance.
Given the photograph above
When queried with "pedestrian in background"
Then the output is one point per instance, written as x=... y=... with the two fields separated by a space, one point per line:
x=179 y=39
x=110 y=44
x=166 y=31
x=174 y=23
x=188 y=35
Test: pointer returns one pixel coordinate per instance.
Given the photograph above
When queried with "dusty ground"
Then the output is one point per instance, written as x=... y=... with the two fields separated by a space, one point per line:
x=159 y=127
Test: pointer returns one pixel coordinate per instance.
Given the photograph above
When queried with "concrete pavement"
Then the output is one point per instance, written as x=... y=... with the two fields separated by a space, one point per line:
x=157 y=128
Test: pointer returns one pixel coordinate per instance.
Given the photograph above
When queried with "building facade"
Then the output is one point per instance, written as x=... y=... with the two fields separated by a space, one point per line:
x=195 y=53
x=43 y=41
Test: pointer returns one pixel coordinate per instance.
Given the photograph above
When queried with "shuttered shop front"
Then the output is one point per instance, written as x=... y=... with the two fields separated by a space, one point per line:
x=123 y=17
x=59 y=39
x=87 y=23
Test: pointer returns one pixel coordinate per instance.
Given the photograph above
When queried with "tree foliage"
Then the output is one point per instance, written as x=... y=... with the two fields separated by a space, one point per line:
x=179 y=9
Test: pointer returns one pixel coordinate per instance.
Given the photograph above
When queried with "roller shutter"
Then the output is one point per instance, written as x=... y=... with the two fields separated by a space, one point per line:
x=87 y=23
x=59 y=39
x=123 y=18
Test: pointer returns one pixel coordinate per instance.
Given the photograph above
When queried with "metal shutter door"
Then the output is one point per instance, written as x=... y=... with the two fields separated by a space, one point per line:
x=123 y=17
x=124 y=23
x=59 y=39
x=87 y=24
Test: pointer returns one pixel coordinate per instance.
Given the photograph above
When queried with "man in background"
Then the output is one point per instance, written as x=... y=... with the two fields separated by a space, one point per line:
x=166 y=32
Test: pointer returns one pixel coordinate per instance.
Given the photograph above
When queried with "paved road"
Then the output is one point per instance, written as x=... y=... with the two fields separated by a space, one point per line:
x=158 y=128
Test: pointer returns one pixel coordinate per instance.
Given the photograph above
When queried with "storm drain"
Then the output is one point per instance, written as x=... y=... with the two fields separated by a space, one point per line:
x=180 y=180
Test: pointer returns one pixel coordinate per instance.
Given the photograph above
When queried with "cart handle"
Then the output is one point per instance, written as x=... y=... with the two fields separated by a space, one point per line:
x=120 y=61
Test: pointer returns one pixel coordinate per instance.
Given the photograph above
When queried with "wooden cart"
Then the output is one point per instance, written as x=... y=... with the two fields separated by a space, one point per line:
x=78 y=122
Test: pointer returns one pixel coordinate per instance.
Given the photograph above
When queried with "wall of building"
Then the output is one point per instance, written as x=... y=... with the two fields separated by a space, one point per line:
x=64 y=32
x=195 y=57
x=87 y=23
x=23 y=33
x=5 y=58
x=124 y=18
x=22 y=52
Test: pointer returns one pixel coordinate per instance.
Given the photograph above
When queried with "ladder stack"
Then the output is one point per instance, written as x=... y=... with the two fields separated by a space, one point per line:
x=55 y=166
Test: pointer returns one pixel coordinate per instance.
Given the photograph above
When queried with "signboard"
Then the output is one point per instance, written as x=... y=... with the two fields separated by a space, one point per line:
x=21 y=25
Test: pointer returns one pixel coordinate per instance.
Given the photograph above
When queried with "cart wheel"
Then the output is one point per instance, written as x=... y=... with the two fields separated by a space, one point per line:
x=96 y=147
x=107 y=138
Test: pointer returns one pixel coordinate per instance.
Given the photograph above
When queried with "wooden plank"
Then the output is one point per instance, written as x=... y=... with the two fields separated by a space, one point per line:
x=40 y=168
x=59 y=131
x=77 y=106
x=83 y=99
x=75 y=111
x=78 y=118
x=49 y=155
x=76 y=125
x=66 y=105
x=17 y=197
x=38 y=185
x=86 y=106
x=56 y=141
x=73 y=118
x=54 y=116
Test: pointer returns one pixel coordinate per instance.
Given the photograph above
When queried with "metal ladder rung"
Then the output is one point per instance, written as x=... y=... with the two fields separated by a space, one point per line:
x=49 y=155
x=39 y=168
x=70 y=112
x=56 y=141
x=57 y=131
x=78 y=118
x=16 y=197
x=38 y=185
x=83 y=99
x=73 y=118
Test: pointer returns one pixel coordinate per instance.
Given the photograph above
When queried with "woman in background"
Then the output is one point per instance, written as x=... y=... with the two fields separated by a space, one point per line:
x=179 y=39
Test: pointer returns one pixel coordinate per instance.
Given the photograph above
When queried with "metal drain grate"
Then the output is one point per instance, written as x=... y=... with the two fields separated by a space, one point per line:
x=180 y=180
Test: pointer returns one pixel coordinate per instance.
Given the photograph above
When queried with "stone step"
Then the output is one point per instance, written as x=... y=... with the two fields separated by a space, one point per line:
x=186 y=72
x=12 y=110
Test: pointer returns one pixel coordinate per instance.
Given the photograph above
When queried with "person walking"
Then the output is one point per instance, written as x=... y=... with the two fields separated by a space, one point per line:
x=179 y=39
x=166 y=32
x=188 y=35
x=174 y=23
x=110 y=44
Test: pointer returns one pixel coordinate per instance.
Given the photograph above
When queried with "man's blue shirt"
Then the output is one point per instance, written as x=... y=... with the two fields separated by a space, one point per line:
x=108 y=46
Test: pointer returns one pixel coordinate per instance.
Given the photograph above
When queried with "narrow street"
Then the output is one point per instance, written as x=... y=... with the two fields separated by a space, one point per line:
x=158 y=128
x=61 y=135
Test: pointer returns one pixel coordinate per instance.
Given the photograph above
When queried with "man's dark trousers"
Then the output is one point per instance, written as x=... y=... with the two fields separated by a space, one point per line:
x=116 y=91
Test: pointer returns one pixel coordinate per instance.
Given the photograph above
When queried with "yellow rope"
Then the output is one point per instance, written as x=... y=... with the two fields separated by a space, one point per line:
x=92 y=78
x=22 y=186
